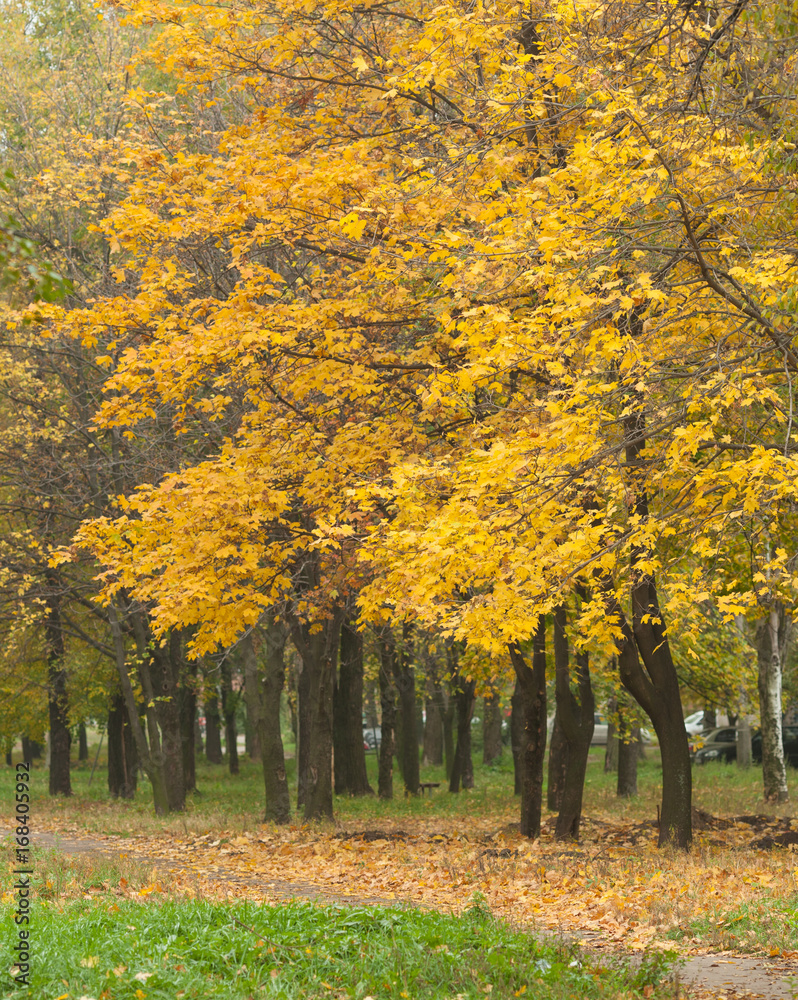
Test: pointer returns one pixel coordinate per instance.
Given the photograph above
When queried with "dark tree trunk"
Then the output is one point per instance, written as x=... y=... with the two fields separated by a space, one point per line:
x=447 y=725
x=148 y=747
x=646 y=665
x=27 y=750
x=558 y=765
x=350 y=754
x=532 y=683
x=187 y=700
x=628 y=756
x=213 y=729
x=462 y=693
x=252 y=696
x=388 y=710
x=60 y=738
x=83 y=743
x=122 y=756
x=165 y=665
x=517 y=735
x=319 y=652
x=304 y=713
x=433 y=734
x=492 y=728
x=575 y=714
x=405 y=679
x=198 y=744
x=611 y=751
x=267 y=712
x=229 y=705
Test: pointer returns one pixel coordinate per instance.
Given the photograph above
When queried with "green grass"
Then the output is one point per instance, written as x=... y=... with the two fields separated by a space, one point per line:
x=769 y=924
x=236 y=803
x=193 y=949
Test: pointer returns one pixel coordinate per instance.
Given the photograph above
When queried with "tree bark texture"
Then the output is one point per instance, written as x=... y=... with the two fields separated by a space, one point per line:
x=122 y=756
x=558 y=765
x=165 y=664
x=229 y=706
x=405 y=681
x=492 y=727
x=463 y=766
x=532 y=686
x=575 y=712
x=628 y=757
x=517 y=735
x=252 y=695
x=267 y=712
x=213 y=729
x=388 y=713
x=768 y=649
x=187 y=701
x=646 y=666
x=83 y=745
x=349 y=750
x=58 y=702
x=319 y=652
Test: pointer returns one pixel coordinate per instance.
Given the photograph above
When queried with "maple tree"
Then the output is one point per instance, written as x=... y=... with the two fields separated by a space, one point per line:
x=489 y=307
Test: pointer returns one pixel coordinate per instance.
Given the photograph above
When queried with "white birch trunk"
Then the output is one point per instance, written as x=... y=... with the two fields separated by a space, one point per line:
x=774 y=774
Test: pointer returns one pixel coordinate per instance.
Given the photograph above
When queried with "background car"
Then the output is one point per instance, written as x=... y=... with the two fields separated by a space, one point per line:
x=716 y=744
x=372 y=737
x=789 y=740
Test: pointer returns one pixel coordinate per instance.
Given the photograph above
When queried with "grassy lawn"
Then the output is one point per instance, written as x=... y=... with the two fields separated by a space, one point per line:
x=230 y=803
x=125 y=950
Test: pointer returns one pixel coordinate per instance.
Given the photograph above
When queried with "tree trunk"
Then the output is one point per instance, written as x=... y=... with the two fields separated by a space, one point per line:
x=646 y=665
x=350 y=755
x=447 y=725
x=517 y=735
x=743 y=741
x=304 y=715
x=83 y=744
x=213 y=729
x=148 y=747
x=433 y=734
x=463 y=766
x=768 y=648
x=267 y=712
x=492 y=727
x=575 y=713
x=388 y=710
x=558 y=764
x=122 y=756
x=405 y=679
x=611 y=751
x=229 y=705
x=187 y=701
x=532 y=684
x=58 y=704
x=252 y=696
x=165 y=663
x=628 y=756
x=319 y=652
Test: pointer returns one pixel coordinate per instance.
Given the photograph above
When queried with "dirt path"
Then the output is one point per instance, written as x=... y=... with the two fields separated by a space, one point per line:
x=721 y=975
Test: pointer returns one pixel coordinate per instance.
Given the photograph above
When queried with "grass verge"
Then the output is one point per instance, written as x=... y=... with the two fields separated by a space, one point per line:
x=768 y=924
x=193 y=949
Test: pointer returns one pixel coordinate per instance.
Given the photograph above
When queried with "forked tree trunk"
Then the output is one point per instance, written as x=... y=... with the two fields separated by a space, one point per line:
x=768 y=649
x=532 y=687
x=388 y=711
x=148 y=747
x=350 y=753
x=646 y=665
x=575 y=713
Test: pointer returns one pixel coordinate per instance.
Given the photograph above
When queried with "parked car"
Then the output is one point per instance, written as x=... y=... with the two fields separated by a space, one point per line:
x=694 y=724
x=715 y=744
x=372 y=737
x=789 y=740
x=721 y=744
